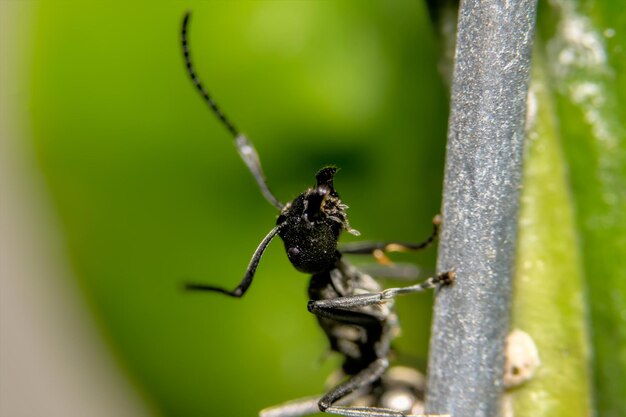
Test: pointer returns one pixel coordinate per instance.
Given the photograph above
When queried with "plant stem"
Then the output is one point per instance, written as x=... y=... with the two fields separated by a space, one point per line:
x=480 y=206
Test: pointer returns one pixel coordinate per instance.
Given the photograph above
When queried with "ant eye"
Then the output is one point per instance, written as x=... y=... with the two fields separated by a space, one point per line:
x=293 y=251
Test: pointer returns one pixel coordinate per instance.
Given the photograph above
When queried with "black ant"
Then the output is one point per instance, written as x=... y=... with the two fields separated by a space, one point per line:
x=355 y=313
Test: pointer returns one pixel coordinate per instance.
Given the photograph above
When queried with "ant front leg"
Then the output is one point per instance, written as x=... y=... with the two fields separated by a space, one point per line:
x=342 y=307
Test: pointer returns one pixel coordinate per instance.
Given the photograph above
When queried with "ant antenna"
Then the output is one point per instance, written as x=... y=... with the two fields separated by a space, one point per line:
x=196 y=81
x=246 y=150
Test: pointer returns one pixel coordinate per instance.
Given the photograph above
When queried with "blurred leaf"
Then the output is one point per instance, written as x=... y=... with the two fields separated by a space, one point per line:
x=586 y=54
x=549 y=302
x=578 y=143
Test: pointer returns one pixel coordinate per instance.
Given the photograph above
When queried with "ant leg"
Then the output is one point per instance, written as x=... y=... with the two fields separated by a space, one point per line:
x=378 y=249
x=341 y=312
x=245 y=283
x=303 y=406
x=399 y=271
x=364 y=378
x=361 y=380
x=341 y=306
x=340 y=309
x=374 y=412
x=310 y=405
x=295 y=408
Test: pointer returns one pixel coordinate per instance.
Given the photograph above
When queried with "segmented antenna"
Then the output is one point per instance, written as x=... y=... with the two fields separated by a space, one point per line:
x=246 y=149
x=196 y=81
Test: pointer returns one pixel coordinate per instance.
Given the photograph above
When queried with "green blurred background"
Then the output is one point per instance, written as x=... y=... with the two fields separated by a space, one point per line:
x=150 y=190
x=118 y=185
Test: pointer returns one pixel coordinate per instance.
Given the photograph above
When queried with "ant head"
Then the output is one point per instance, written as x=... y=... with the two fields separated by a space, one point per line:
x=311 y=224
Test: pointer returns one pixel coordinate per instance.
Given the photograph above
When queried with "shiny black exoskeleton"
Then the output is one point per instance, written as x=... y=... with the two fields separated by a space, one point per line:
x=311 y=224
x=356 y=314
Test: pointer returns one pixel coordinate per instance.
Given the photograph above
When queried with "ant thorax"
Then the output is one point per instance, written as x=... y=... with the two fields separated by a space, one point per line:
x=311 y=224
